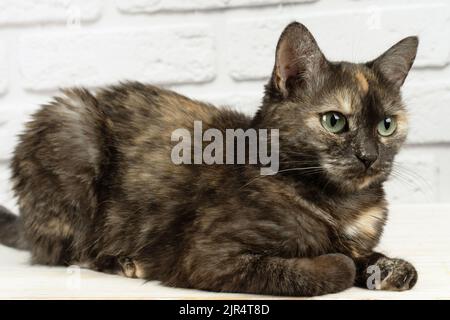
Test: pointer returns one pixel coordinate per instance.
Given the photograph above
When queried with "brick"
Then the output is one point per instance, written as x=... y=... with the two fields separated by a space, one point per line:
x=14 y=114
x=415 y=178
x=6 y=195
x=33 y=11
x=150 y=6
x=157 y=55
x=8 y=136
x=247 y=103
x=4 y=69
x=429 y=111
x=364 y=36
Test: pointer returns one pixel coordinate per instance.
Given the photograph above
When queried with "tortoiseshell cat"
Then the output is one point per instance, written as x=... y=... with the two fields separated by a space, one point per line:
x=96 y=185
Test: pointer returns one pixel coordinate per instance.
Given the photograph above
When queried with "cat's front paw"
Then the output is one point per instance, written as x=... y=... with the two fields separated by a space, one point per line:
x=395 y=274
x=131 y=268
x=128 y=267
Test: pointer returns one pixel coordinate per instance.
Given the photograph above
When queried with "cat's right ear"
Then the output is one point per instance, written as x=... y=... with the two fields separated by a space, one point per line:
x=396 y=62
x=298 y=59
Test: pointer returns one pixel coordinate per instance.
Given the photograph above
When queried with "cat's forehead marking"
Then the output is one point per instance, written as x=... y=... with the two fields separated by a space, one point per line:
x=345 y=101
x=363 y=84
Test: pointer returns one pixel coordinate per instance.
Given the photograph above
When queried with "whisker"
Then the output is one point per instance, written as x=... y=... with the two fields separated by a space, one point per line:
x=298 y=169
x=412 y=174
x=409 y=181
x=282 y=171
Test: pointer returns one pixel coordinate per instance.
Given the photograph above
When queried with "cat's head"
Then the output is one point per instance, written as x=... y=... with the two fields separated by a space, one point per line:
x=343 y=120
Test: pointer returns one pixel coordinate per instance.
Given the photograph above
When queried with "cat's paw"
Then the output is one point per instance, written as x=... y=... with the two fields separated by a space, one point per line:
x=338 y=271
x=396 y=274
x=128 y=267
x=131 y=268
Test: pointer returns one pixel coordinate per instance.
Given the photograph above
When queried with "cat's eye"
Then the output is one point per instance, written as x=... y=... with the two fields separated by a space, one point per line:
x=387 y=126
x=334 y=122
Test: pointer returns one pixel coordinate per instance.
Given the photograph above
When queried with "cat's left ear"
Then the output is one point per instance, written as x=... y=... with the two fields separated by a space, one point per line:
x=396 y=62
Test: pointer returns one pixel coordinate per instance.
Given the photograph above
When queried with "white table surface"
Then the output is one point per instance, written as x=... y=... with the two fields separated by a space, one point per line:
x=418 y=233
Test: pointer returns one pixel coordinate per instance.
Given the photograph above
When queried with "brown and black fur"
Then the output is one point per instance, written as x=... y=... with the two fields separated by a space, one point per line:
x=96 y=185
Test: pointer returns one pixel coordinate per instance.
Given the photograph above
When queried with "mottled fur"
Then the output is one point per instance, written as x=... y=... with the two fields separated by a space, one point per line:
x=96 y=185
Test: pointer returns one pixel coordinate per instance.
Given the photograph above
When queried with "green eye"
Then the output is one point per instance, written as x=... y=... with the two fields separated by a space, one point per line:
x=387 y=126
x=334 y=122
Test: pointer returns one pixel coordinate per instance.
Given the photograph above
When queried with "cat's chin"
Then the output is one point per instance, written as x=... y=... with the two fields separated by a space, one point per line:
x=365 y=182
x=357 y=183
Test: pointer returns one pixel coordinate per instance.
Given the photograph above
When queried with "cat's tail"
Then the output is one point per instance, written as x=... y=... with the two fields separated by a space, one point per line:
x=11 y=230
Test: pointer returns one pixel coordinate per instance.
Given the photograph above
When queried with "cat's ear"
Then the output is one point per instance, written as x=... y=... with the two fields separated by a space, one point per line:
x=298 y=58
x=396 y=62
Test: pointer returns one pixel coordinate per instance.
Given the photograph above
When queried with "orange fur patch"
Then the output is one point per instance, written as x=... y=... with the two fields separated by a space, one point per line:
x=362 y=82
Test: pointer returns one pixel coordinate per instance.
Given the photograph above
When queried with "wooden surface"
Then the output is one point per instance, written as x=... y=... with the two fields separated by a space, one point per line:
x=419 y=233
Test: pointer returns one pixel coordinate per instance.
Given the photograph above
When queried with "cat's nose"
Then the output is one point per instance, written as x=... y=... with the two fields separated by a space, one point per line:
x=367 y=158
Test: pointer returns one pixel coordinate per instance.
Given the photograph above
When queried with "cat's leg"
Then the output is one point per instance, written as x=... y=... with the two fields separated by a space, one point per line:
x=376 y=271
x=247 y=273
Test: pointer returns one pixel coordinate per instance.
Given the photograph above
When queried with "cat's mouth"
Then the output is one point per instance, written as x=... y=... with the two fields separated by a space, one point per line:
x=367 y=177
x=348 y=178
x=366 y=180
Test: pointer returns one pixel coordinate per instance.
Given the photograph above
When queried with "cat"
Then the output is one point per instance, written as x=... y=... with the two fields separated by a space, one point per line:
x=96 y=185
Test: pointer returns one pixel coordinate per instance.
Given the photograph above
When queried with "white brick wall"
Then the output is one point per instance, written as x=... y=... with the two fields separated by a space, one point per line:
x=151 y=6
x=23 y=12
x=184 y=54
x=222 y=51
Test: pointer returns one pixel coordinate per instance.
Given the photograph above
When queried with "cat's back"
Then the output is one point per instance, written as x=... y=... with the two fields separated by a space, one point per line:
x=78 y=125
x=134 y=109
x=80 y=145
x=82 y=135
